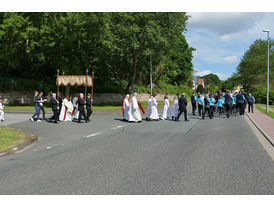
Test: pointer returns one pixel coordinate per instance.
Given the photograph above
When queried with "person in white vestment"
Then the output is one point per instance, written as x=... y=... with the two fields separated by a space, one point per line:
x=148 y=111
x=154 y=112
x=66 y=110
x=175 y=108
x=126 y=107
x=75 y=113
x=166 y=112
x=1 y=111
x=134 y=111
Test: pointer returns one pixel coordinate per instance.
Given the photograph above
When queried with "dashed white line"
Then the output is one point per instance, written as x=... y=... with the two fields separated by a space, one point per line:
x=48 y=147
x=92 y=135
x=117 y=127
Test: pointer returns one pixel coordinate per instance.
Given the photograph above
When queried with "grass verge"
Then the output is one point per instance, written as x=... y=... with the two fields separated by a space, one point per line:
x=10 y=138
x=262 y=108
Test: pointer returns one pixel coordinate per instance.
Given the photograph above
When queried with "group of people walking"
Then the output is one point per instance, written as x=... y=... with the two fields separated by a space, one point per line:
x=208 y=104
x=223 y=102
x=63 y=109
x=131 y=109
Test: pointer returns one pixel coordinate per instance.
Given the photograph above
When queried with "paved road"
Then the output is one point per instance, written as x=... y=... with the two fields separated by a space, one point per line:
x=107 y=156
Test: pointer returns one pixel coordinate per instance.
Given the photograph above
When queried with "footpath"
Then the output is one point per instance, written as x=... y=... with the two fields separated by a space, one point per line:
x=264 y=123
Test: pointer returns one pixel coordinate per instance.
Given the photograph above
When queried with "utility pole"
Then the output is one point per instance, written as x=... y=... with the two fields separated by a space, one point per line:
x=150 y=75
x=267 y=92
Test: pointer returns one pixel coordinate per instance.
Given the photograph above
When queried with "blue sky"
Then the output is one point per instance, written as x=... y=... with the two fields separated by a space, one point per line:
x=221 y=39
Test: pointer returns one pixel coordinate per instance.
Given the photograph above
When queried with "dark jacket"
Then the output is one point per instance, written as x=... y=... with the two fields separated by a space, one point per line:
x=182 y=104
x=88 y=103
x=81 y=104
x=193 y=100
x=54 y=103
x=35 y=100
x=228 y=99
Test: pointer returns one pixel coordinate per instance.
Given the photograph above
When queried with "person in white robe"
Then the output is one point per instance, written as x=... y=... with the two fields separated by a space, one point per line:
x=75 y=113
x=2 y=113
x=134 y=111
x=148 y=111
x=154 y=112
x=166 y=112
x=66 y=110
x=175 y=108
x=126 y=107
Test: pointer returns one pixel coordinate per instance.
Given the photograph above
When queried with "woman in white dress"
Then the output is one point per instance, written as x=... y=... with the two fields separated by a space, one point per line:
x=154 y=113
x=134 y=112
x=126 y=107
x=175 y=108
x=66 y=111
x=149 y=104
x=75 y=112
x=1 y=111
x=166 y=112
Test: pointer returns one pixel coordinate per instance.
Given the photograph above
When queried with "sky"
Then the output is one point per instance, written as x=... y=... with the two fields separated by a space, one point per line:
x=222 y=38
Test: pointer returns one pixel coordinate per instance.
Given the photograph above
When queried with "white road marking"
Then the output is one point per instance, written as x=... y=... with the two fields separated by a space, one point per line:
x=92 y=135
x=48 y=147
x=117 y=127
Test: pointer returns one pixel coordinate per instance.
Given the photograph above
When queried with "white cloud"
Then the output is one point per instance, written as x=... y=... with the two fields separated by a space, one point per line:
x=206 y=72
x=231 y=59
x=224 y=22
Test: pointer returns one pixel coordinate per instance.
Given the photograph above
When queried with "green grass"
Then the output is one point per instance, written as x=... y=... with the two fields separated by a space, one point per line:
x=262 y=108
x=10 y=138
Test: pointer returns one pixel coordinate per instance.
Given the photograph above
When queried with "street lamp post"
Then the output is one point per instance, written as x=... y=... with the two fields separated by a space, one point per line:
x=267 y=92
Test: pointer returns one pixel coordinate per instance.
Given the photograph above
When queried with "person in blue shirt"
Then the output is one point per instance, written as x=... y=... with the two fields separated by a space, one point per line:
x=250 y=101
x=194 y=103
x=211 y=105
x=200 y=104
x=220 y=104
x=207 y=106
x=240 y=100
x=228 y=103
x=234 y=107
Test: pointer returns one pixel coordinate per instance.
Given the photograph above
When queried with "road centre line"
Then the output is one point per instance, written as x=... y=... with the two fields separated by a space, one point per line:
x=95 y=134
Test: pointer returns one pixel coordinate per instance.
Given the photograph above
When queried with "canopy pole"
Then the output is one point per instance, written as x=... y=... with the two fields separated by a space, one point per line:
x=86 y=83
x=92 y=81
x=58 y=85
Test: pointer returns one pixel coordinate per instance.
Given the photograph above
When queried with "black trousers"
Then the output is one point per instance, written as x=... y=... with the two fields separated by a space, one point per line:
x=211 y=109
x=194 y=106
x=234 y=109
x=228 y=110
x=220 y=109
x=241 y=107
x=207 y=109
x=200 y=109
x=82 y=113
x=55 y=116
x=43 y=110
x=88 y=112
x=250 y=105
x=180 y=113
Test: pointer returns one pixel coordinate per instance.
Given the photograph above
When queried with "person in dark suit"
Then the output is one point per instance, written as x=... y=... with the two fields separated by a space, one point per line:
x=88 y=106
x=60 y=104
x=54 y=105
x=194 y=103
x=182 y=107
x=81 y=108
x=228 y=103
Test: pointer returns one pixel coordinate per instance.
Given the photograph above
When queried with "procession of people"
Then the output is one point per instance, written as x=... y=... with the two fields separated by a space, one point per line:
x=79 y=107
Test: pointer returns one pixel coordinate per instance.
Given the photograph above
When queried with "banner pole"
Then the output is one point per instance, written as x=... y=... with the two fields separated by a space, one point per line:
x=92 y=82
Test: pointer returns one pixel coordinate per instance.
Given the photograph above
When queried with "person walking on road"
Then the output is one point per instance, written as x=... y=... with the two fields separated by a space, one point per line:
x=194 y=103
x=241 y=103
x=251 y=101
x=166 y=112
x=54 y=106
x=81 y=108
x=182 y=107
x=41 y=104
x=200 y=105
x=220 y=104
x=228 y=103
x=89 y=106
x=207 y=107
x=175 y=108
x=125 y=108
x=2 y=111
x=149 y=105
x=154 y=112
x=36 y=102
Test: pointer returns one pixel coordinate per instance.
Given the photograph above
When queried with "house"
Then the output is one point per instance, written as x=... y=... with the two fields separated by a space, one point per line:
x=197 y=81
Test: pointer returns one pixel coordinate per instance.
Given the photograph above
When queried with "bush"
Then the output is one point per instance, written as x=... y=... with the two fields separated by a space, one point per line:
x=260 y=95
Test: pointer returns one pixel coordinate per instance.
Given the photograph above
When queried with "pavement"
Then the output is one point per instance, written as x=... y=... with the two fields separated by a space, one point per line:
x=265 y=122
x=109 y=156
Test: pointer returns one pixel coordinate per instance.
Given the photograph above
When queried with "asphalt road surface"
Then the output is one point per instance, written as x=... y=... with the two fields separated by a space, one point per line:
x=108 y=156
